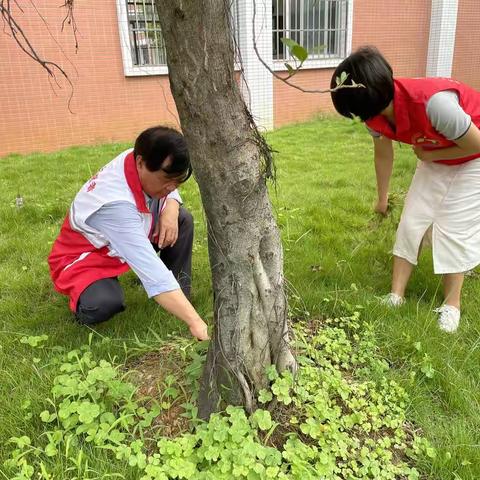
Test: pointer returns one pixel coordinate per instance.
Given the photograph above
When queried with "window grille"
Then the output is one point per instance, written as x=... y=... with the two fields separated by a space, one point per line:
x=146 y=40
x=320 y=26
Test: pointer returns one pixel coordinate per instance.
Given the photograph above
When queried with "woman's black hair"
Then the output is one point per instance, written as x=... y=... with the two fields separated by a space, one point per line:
x=157 y=144
x=368 y=67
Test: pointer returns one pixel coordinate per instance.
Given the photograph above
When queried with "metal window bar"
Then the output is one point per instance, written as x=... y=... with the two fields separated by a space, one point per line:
x=146 y=40
x=320 y=26
x=235 y=24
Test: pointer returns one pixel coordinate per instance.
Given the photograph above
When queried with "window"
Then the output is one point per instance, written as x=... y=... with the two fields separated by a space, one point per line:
x=320 y=26
x=143 y=47
x=323 y=27
x=146 y=41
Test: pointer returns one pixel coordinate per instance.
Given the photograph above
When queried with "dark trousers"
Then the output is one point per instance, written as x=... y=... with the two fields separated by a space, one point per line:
x=104 y=298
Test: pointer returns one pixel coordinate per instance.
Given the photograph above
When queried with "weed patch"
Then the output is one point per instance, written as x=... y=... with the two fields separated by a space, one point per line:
x=338 y=418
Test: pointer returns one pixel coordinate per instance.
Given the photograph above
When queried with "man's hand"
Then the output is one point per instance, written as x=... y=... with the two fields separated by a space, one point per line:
x=167 y=226
x=424 y=155
x=177 y=304
x=199 y=330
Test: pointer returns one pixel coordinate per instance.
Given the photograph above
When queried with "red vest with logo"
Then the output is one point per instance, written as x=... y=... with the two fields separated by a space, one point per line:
x=412 y=125
x=81 y=255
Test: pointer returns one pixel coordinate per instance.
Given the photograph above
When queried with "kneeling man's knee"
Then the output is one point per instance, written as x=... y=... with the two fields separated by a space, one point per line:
x=100 y=302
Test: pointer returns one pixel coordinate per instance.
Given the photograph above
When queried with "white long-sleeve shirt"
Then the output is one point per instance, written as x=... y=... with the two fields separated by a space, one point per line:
x=121 y=224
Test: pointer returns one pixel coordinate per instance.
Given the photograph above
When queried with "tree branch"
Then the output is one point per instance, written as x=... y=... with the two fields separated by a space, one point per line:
x=286 y=80
x=70 y=20
x=21 y=39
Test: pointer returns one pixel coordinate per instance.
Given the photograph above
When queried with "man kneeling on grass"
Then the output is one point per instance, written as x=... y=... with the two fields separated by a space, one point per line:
x=119 y=220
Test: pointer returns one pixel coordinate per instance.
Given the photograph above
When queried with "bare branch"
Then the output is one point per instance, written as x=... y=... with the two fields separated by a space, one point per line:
x=15 y=30
x=53 y=37
x=70 y=20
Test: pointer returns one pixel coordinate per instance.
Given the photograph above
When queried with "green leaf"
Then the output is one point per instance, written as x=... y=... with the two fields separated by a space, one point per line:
x=107 y=417
x=105 y=372
x=272 y=373
x=87 y=412
x=428 y=371
x=34 y=341
x=47 y=417
x=296 y=49
x=265 y=396
x=431 y=452
x=341 y=79
x=272 y=472
x=263 y=419
x=288 y=42
x=299 y=52
x=21 y=442
x=221 y=434
x=290 y=69
x=51 y=450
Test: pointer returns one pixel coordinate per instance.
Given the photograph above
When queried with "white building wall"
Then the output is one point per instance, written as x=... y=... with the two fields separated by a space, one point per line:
x=257 y=82
x=443 y=25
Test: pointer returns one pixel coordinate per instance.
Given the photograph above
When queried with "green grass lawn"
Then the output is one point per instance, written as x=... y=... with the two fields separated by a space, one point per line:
x=337 y=253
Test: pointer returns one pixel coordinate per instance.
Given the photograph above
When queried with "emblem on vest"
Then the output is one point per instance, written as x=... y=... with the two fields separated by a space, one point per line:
x=420 y=139
x=92 y=183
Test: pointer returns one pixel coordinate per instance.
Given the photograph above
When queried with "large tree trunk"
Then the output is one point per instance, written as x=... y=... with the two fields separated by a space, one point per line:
x=244 y=242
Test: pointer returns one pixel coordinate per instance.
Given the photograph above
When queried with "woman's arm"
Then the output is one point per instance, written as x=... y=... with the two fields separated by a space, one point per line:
x=450 y=120
x=383 y=157
x=468 y=144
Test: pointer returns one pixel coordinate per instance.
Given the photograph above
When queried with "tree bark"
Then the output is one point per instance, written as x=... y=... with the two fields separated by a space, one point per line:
x=245 y=252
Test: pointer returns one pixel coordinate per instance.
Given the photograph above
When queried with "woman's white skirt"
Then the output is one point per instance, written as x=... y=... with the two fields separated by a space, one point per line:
x=445 y=199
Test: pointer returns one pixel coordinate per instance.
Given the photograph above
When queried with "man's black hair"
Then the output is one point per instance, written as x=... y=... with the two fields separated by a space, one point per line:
x=158 y=144
x=368 y=67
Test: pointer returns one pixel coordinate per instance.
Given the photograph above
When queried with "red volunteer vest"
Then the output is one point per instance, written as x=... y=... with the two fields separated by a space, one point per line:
x=75 y=263
x=412 y=125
